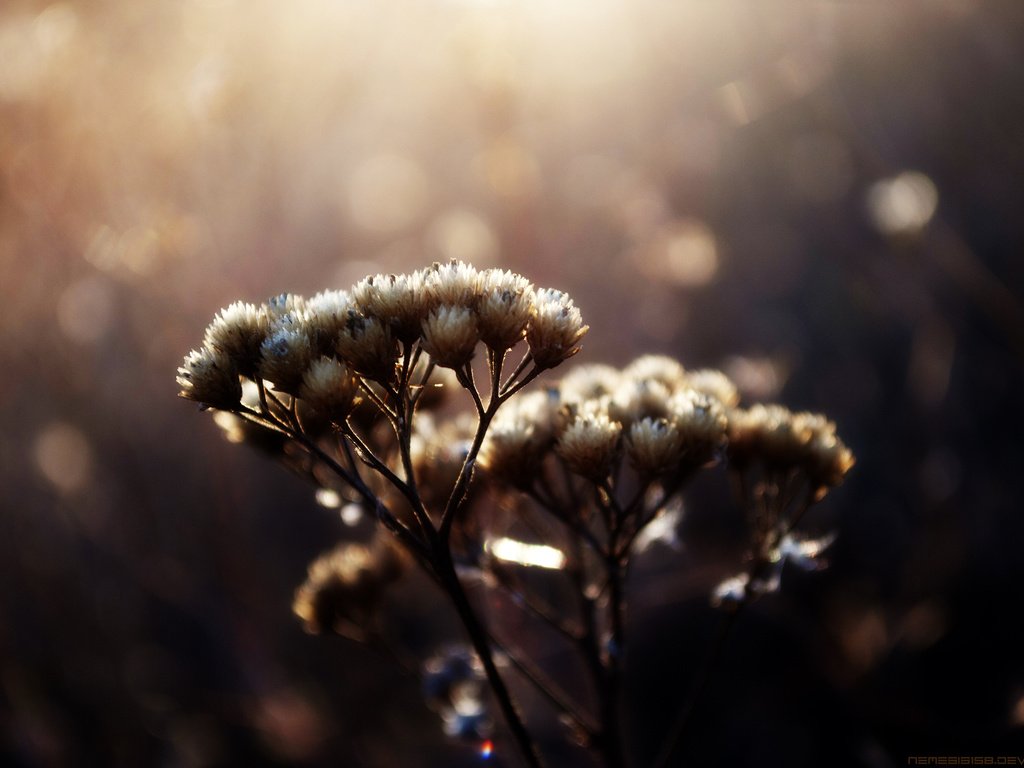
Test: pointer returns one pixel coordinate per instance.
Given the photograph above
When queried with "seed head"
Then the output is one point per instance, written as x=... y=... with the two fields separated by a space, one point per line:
x=330 y=389
x=450 y=335
x=454 y=284
x=783 y=440
x=656 y=368
x=555 y=328
x=637 y=399
x=504 y=306
x=588 y=445
x=325 y=316
x=285 y=354
x=519 y=438
x=654 y=446
x=714 y=384
x=368 y=346
x=589 y=382
x=397 y=300
x=345 y=587
x=284 y=304
x=238 y=331
x=208 y=376
x=701 y=422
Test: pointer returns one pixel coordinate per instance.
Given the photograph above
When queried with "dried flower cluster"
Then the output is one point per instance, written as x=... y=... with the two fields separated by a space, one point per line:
x=345 y=387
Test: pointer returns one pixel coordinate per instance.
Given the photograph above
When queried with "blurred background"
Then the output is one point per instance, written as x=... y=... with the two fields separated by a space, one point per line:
x=821 y=198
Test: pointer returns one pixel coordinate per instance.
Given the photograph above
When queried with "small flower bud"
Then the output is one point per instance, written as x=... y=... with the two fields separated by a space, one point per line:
x=519 y=438
x=503 y=308
x=330 y=389
x=238 y=331
x=634 y=400
x=368 y=346
x=555 y=328
x=286 y=353
x=208 y=376
x=345 y=587
x=588 y=444
x=450 y=335
x=656 y=368
x=714 y=384
x=654 y=446
x=324 y=316
x=454 y=284
x=397 y=300
x=589 y=382
x=701 y=423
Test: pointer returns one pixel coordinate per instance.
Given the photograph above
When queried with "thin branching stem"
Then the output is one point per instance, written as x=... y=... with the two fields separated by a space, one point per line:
x=544 y=685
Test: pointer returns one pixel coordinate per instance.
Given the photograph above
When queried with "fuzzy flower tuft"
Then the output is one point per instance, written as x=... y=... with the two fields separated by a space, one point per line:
x=782 y=440
x=555 y=330
x=450 y=335
x=588 y=445
x=701 y=422
x=285 y=354
x=654 y=446
x=504 y=307
x=330 y=389
x=397 y=300
x=656 y=368
x=368 y=346
x=238 y=331
x=345 y=587
x=454 y=284
x=208 y=376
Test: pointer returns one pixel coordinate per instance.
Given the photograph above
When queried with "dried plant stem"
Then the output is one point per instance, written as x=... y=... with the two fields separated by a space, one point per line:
x=452 y=585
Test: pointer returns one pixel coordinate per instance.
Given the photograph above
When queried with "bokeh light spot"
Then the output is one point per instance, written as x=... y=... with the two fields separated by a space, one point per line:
x=904 y=204
x=387 y=193
x=85 y=310
x=63 y=456
x=684 y=253
x=461 y=234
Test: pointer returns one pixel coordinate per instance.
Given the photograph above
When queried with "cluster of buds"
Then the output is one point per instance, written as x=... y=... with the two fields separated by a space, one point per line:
x=317 y=349
x=783 y=441
x=340 y=387
x=660 y=418
x=343 y=590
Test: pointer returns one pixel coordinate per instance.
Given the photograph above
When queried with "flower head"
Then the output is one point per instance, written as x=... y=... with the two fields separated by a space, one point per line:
x=588 y=444
x=656 y=368
x=450 y=335
x=285 y=354
x=454 y=284
x=368 y=346
x=325 y=315
x=329 y=388
x=238 y=331
x=555 y=330
x=504 y=306
x=209 y=376
x=654 y=446
x=397 y=300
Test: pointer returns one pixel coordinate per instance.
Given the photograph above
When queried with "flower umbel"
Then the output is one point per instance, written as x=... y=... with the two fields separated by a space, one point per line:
x=537 y=501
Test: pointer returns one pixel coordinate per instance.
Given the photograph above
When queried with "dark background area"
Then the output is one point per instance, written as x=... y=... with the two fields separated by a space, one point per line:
x=821 y=198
